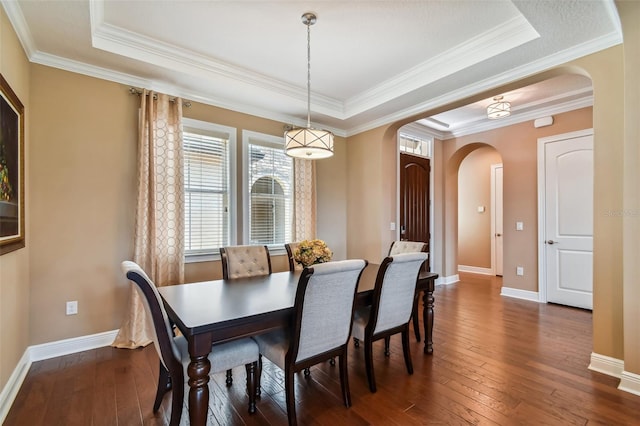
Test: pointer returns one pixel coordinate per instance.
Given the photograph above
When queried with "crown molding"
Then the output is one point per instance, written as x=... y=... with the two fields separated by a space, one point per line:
x=493 y=42
x=484 y=126
x=14 y=13
x=145 y=49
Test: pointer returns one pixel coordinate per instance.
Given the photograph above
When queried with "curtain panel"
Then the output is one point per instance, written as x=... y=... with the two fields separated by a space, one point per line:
x=159 y=229
x=304 y=204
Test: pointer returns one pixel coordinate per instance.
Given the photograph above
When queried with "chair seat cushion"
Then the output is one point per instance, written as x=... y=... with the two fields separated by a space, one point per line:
x=360 y=320
x=274 y=346
x=224 y=356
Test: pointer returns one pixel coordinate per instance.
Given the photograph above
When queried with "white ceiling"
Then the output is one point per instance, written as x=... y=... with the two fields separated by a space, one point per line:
x=372 y=62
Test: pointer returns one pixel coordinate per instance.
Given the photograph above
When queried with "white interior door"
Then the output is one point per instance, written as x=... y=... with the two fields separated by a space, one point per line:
x=496 y=219
x=567 y=226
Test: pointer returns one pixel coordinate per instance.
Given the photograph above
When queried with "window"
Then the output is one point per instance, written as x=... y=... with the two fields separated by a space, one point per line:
x=208 y=170
x=268 y=190
x=421 y=146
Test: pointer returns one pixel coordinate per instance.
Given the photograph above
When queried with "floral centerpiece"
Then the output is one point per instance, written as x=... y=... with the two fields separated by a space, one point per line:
x=310 y=252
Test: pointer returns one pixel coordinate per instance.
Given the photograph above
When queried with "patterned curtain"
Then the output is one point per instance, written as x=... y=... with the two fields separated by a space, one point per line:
x=304 y=200
x=159 y=233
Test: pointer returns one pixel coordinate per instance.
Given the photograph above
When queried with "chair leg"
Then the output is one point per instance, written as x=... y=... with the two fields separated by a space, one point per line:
x=177 y=401
x=290 y=396
x=416 y=317
x=251 y=385
x=368 y=362
x=259 y=377
x=344 y=379
x=405 y=349
x=229 y=380
x=164 y=385
x=387 y=340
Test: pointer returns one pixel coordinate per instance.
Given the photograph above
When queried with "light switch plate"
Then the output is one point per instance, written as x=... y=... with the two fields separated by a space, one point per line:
x=519 y=226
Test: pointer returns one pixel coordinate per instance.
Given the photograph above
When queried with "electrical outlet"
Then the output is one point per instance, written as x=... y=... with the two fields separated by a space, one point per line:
x=519 y=270
x=72 y=307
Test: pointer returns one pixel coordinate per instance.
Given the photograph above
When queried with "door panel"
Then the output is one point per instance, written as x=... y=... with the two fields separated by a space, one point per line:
x=568 y=222
x=414 y=198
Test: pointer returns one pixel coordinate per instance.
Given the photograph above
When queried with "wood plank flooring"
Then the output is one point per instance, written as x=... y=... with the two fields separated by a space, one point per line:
x=496 y=361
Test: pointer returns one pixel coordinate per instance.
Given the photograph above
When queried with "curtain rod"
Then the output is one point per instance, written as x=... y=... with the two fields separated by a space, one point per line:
x=136 y=91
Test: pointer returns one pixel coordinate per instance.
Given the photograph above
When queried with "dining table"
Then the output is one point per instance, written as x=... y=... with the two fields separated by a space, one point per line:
x=212 y=312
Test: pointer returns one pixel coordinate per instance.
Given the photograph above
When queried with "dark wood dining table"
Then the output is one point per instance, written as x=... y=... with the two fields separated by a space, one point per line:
x=212 y=312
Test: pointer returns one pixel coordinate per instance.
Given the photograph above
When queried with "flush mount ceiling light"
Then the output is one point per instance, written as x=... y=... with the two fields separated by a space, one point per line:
x=307 y=142
x=499 y=108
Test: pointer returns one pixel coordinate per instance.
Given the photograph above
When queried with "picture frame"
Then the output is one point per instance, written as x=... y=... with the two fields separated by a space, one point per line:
x=12 y=210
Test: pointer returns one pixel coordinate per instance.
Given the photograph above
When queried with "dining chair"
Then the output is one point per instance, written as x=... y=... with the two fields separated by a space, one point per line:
x=399 y=247
x=291 y=249
x=174 y=355
x=245 y=261
x=320 y=327
x=390 y=311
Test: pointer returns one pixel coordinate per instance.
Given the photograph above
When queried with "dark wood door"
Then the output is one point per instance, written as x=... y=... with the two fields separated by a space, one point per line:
x=414 y=198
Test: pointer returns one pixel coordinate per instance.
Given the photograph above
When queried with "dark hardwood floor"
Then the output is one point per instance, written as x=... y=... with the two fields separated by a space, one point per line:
x=496 y=360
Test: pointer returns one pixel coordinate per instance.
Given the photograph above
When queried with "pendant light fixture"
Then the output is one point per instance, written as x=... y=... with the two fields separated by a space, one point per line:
x=307 y=142
x=499 y=108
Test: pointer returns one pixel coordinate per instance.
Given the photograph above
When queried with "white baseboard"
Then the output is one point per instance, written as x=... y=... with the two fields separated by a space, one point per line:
x=630 y=382
x=606 y=365
x=520 y=294
x=11 y=388
x=46 y=351
x=451 y=279
x=71 y=346
x=475 y=270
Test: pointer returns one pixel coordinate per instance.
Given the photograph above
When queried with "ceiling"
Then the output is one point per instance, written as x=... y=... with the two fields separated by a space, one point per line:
x=372 y=62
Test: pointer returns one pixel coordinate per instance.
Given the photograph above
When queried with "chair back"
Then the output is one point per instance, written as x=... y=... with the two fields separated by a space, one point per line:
x=291 y=249
x=155 y=313
x=324 y=307
x=245 y=261
x=400 y=247
x=394 y=291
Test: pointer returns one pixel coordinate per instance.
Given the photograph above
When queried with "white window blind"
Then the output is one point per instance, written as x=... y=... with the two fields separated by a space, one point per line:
x=207 y=193
x=270 y=192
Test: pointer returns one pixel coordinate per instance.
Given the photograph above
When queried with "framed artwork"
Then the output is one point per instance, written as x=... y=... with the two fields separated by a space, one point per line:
x=11 y=170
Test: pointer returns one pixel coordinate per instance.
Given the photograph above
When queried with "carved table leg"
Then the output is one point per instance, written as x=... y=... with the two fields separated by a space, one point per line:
x=198 y=371
x=427 y=313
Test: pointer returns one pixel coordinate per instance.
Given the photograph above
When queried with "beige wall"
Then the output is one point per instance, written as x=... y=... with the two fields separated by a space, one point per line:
x=606 y=69
x=14 y=266
x=630 y=16
x=84 y=177
x=474 y=190
x=517 y=146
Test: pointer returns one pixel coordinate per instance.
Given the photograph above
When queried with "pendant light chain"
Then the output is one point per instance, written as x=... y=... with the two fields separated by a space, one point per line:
x=309 y=74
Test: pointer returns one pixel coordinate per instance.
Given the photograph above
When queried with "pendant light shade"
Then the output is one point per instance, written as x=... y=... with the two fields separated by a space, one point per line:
x=498 y=109
x=306 y=142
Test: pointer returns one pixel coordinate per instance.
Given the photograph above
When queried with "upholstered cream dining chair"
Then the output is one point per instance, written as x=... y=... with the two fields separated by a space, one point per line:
x=400 y=247
x=245 y=261
x=320 y=328
x=390 y=312
x=174 y=355
x=291 y=249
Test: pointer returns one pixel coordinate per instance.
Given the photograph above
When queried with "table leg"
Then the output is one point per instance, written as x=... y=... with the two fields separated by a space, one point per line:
x=427 y=313
x=198 y=371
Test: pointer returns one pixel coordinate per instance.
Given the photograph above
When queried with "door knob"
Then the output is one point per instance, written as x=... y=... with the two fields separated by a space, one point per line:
x=550 y=242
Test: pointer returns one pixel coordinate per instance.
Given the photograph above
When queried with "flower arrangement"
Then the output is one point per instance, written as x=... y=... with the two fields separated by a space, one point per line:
x=310 y=252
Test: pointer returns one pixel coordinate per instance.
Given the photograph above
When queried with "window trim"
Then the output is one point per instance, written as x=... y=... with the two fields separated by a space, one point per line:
x=270 y=141
x=190 y=125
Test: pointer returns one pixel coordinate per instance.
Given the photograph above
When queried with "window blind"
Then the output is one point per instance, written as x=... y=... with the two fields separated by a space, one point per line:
x=207 y=192
x=271 y=194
